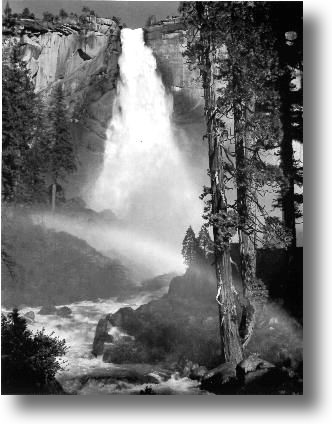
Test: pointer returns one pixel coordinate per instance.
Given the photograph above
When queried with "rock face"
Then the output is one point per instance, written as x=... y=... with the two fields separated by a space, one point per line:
x=71 y=53
x=171 y=328
x=84 y=59
x=101 y=336
x=67 y=52
x=168 y=43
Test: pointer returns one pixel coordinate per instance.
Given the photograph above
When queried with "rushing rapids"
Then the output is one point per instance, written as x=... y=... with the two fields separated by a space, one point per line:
x=84 y=374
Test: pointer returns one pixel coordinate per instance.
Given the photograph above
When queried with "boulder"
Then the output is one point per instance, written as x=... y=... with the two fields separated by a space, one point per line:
x=101 y=336
x=197 y=372
x=64 y=312
x=30 y=316
x=185 y=367
x=271 y=381
x=251 y=364
x=223 y=373
x=123 y=317
x=48 y=310
x=221 y=380
x=127 y=351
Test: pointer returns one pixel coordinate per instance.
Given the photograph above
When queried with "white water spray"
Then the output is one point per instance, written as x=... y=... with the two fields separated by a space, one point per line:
x=144 y=180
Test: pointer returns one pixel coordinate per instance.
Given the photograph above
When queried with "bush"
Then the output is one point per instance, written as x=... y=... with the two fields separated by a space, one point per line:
x=29 y=360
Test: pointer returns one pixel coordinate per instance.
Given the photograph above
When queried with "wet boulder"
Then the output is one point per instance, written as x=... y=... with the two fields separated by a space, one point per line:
x=123 y=318
x=64 y=312
x=101 y=336
x=271 y=381
x=253 y=363
x=48 y=310
x=127 y=351
x=221 y=380
x=198 y=372
x=29 y=316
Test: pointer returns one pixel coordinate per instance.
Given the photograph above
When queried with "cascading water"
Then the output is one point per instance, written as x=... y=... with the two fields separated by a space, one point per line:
x=144 y=179
x=144 y=182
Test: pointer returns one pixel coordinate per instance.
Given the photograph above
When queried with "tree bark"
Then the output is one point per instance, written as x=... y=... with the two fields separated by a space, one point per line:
x=228 y=317
x=53 y=197
x=246 y=211
x=287 y=162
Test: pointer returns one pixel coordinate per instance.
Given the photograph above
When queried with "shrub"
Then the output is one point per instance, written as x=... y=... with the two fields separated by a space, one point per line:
x=29 y=360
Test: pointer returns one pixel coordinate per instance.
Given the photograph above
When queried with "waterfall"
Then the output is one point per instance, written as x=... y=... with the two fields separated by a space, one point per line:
x=144 y=179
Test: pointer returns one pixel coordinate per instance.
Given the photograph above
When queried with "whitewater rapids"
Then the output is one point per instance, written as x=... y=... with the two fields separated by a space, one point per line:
x=78 y=330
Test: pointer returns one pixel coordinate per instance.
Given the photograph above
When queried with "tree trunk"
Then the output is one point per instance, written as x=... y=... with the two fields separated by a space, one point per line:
x=287 y=163
x=246 y=211
x=53 y=197
x=229 y=326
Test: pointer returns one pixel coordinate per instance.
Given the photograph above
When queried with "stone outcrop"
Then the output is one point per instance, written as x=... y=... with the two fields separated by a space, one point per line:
x=101 y=336
x=66 y=51
x=172 y=328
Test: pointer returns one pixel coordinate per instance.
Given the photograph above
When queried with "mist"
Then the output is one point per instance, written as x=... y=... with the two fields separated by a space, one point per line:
x=119 y=241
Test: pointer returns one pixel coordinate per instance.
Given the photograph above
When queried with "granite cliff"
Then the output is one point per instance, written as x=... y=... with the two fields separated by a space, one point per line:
x=84 y=58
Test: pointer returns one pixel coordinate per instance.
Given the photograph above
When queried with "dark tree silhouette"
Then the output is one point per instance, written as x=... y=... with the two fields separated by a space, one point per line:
x=7 y=11
x=26 y=13
x=29 y=361
x=48 y=16
x=21 y=132
x=63 y=14
x=190 y=248
x=58 y=149
x=234 y=47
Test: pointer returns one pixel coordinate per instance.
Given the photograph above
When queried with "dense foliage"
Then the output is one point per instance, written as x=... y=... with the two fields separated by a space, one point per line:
x=36 y=140
x=235 y=41
x=29 y=361
x=196 y=250
x=21 y=130
x=235 y=47
x=59 y=151
x=189 y=247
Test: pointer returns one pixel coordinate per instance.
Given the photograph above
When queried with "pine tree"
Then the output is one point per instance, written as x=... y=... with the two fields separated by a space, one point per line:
x=190 y=247
x=58 y=148
x=48 y=16
x=26 y=14
x=233 y=46
x=29 y=360
x=288 y=29
x=63 y=14
x=21 y=178
x=7 y=11
x=204 y=242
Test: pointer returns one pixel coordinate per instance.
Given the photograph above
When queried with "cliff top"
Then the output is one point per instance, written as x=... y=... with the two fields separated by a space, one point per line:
x=24 y=26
